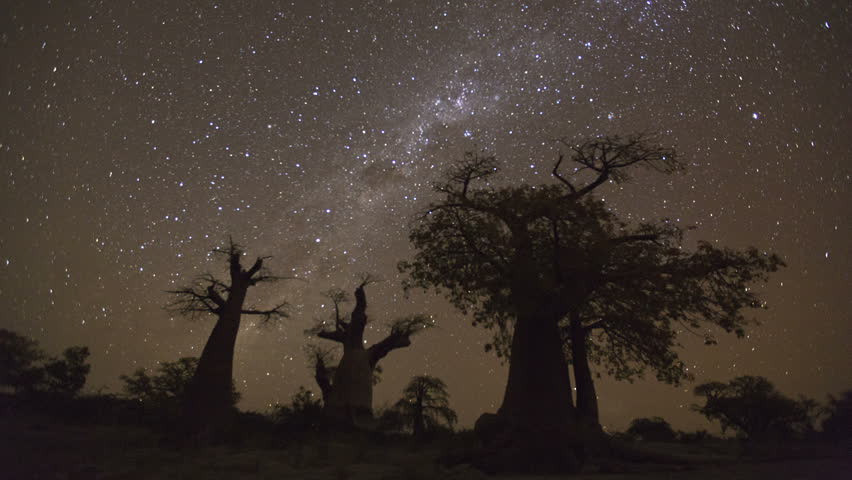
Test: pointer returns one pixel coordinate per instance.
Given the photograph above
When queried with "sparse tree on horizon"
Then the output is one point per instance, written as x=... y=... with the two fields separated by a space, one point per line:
x=19 y=357
x=751 y=406
x=425 y=405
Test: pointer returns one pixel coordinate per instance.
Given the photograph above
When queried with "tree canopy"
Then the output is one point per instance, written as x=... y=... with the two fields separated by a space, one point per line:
x=425 y=404
x=621 y=291
x=19 y=357
x=751 y=406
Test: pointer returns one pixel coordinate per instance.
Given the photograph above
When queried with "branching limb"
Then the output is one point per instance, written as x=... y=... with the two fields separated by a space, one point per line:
x=610 y=156
x=278 y=311
x=399 y=336
x=321 y=361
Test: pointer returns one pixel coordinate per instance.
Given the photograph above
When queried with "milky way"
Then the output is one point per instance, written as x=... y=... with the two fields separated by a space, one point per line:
x=137 y=136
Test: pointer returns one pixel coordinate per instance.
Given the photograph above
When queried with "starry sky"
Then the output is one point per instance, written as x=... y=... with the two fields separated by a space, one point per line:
x=138 y=135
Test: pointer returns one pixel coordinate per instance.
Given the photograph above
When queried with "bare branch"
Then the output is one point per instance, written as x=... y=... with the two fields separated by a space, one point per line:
x=560 y=177
x=399 y=336
x=610 y=157
x=333 y=335
x=278 y=311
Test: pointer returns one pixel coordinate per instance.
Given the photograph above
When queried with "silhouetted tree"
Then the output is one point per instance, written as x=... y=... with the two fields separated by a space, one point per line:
x=19 y=357
x=208 y=399
x=323 y=362
x=349 y=392
x=67 y=375
x=654 y=429
x=167 y=385
x=425 y=405
x=837 y=424
x=752 y=407
x=640 y=294
x=546 y=264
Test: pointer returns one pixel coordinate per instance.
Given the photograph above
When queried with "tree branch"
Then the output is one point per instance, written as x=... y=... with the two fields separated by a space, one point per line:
x=399 y=336
x=277 y=311
x=333 y=335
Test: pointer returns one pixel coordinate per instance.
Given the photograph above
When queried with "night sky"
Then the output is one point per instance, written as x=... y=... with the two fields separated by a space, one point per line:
x=135 y=136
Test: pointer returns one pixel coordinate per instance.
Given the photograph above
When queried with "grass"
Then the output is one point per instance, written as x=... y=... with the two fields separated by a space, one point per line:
x=38 y=447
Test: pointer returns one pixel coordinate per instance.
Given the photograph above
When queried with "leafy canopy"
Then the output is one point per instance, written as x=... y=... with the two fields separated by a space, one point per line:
x=752 y=407
x=425 y=401
x=501 y=251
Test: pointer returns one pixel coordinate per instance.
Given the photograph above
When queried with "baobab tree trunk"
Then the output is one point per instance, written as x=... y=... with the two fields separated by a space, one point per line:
x=208 y=403
x=351 y=397
x=208 y=400
x=208 y=396
x=535 y=428
x=587 y=400
x=538 y=391
x=350 y=401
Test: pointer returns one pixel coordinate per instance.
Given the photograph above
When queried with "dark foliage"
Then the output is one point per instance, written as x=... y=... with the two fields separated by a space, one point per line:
x=19 y=357
x=160 y=393
x=66 y=375
x=521 y=257
x=425 y=405
x=752 y=407
x=654 y=429
x=25 y=368
x=837 y=424
x=303 y=413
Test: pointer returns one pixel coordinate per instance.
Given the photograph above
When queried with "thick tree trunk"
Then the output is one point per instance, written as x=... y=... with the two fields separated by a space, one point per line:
x=208 y=396
x=208 y=401
x=538 y=391
x=535 y=428
x=587 y=400
x=350 y=401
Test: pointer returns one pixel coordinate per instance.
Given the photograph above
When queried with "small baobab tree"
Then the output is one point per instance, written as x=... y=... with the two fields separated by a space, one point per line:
x=348 y=392
x=425 y=405
x=208 y=399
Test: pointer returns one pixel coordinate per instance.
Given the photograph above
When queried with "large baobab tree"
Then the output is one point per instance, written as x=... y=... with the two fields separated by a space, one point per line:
x=348 y=394
x=208 y=400
x=545 y=264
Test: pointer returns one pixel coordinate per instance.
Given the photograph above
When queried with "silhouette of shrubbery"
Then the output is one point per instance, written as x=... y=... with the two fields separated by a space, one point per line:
x=654 y=429
x=751 y=406
x=425 y=406
x=305 y=412
x=838 y=422
x=25 y=368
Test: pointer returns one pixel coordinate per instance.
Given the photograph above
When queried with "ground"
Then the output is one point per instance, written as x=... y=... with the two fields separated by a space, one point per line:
x=37 y=447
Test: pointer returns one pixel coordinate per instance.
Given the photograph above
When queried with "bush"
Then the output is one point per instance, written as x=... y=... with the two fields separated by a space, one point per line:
x=838 y=422
x=654 y=429
x=304 y=412
x=754 y=409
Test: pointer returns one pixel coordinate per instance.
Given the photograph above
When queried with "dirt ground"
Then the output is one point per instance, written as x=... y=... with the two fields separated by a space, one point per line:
x=32 y=448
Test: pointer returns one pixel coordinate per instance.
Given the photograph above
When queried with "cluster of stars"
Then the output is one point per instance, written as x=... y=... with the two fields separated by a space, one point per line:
x=137 y=137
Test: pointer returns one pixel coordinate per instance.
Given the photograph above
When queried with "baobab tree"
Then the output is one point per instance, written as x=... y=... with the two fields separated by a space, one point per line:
x=425 y=405
x=349 y=397
x=323 y=362
x=208 y=398
x=538 y=264
x=641 y=295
